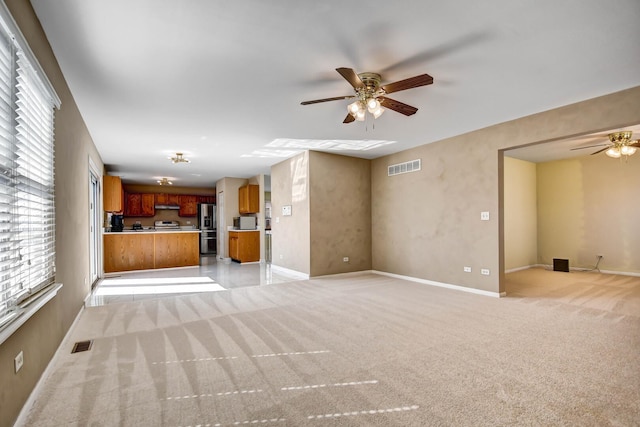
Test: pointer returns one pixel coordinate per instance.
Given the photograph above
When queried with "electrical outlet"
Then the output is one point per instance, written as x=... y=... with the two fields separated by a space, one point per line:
x=484 y=216
x=467 y=269
x=485 y=271
x=600 y=256
x=18 y=361
x=281 y=256
x=345 y=259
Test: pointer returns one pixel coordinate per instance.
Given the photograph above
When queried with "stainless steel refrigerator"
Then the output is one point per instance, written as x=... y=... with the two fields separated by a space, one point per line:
x=207 y=226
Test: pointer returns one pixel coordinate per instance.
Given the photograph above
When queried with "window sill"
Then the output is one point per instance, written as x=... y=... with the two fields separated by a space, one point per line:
x=28 y=309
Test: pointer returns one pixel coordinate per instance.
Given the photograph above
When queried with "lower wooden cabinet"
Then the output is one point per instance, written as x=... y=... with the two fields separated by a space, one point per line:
x=127 y=252
x=177 y=250
x=146 y=251
x=244 y=246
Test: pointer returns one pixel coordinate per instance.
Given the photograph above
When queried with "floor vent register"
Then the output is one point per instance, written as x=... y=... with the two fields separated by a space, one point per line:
x=82 y=346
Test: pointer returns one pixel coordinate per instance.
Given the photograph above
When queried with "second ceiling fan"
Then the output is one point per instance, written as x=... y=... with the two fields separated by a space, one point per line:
x=370 y=94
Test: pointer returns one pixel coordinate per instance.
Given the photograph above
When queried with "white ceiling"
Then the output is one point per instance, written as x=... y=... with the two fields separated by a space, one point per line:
x=222 y=81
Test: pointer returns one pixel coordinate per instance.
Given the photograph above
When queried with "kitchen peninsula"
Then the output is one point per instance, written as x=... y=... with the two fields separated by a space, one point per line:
x=150 y=249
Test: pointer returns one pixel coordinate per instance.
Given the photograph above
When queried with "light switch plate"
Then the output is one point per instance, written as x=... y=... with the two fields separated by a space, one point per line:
x=286 y=210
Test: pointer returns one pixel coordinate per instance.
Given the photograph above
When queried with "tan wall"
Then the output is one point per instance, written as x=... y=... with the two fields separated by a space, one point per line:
x=340 y=213
x=427 y=224
x=520 y=214
x=590 y=206
x=40 y=336
x=291 y=234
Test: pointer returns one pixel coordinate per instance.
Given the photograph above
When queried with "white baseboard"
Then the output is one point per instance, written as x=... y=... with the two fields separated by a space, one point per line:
x=350 y=273
x=24 y=412
x=443 y=285
x=586 y=270
x=526 y=267
x=289 y=272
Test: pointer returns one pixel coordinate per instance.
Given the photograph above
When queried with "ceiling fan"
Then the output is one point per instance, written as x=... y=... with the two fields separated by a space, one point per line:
x=620 y=144
x=370 y=94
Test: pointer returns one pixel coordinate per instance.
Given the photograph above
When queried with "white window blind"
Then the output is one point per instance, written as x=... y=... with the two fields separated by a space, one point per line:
x=27 y=216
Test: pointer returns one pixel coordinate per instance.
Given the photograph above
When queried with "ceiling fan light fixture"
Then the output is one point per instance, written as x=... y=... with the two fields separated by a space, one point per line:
x=360 y=115
x=372 y=105
x=377 y=112
x=613 y=152
x=165 y=181
x=627 y=150
x=353 y=108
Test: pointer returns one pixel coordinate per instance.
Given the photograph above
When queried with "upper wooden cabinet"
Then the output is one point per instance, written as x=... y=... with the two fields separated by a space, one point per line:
x=249 y=199
x=137 y=204
x=207 y=199
x=167 y=199
x=112 y=193
x=188 y=205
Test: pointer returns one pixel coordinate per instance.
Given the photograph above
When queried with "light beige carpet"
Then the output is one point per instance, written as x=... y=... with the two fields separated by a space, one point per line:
x=368 y=350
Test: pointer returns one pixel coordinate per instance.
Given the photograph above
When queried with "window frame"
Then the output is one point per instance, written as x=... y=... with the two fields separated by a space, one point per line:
x=31 y=101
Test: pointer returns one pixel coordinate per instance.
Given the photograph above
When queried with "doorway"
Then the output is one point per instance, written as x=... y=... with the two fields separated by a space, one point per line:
x=95 y=225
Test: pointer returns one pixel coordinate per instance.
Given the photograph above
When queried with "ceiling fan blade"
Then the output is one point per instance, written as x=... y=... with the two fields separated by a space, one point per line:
x=588 y=146
x=635 y=144
x=337 y=98
x=349 y=119
x=410 y=83
x=600 y=151
x=398 y=106
x=350 y=76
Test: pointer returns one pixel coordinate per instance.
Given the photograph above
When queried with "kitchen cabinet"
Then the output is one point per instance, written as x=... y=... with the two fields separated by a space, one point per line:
x=188 y=206
x=137 y=204
x=167 y=199
x=150 y=250
x=112 y=193
x=249 y=199
x=207 y=199
x=244 y=246
x=127 y=252
x=176 y=249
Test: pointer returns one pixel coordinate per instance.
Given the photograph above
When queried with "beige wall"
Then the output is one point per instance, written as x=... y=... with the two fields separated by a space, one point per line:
x=520 y=214
x=590 y=206
x=340 y=213
x=330 y=197
x=427 y=224
x=291 y=234
x=39 y=337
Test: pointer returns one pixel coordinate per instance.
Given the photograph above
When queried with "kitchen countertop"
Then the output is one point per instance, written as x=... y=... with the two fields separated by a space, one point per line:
x=151 y=231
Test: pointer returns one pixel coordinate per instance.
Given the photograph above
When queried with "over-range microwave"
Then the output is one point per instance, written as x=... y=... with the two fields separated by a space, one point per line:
x=244 y=223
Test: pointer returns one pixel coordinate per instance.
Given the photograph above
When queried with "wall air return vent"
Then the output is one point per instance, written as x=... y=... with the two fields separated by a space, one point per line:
x=406 y=167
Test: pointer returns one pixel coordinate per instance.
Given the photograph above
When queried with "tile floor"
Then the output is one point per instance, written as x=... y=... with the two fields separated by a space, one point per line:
x=210 y=276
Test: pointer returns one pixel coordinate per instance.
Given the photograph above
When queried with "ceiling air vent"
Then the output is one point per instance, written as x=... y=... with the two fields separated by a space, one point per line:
x=406 y=167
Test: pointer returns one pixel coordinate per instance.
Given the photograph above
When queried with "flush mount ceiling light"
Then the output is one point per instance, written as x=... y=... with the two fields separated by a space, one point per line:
x=179 y=158
x=165 y=181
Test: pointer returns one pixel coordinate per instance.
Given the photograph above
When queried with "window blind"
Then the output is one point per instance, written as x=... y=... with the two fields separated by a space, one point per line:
x=27 y=215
